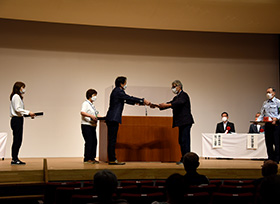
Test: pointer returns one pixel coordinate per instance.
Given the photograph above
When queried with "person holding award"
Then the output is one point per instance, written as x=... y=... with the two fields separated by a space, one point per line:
x=114 y=115
x=17 y=111
x=182 y=116
x=88 y=124
x=270 y=115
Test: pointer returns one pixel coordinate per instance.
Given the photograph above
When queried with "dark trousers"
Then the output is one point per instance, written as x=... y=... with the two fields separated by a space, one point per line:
x=185 y=139
x=272 y=141
x=17 y=127
x=89 y=134
x=113 y=128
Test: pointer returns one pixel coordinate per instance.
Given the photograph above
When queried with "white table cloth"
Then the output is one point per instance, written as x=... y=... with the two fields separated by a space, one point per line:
x=234 y=146
x=3 y=141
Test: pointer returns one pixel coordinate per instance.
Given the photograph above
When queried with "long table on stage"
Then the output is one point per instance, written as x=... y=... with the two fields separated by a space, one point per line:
x=234 y=146
x=143 y=138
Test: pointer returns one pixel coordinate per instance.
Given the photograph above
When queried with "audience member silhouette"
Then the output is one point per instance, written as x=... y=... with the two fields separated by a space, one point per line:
x=191 y=163
x=269 y=168
x=270 y=190
x=105 y=185
x=174 y=190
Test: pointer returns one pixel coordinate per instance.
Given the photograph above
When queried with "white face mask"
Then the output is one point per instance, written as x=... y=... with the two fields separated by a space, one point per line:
x=94 y=98
x=269 y=96
x=124 y=87
x=174 y=90
x=224 y=119
x=22 y=91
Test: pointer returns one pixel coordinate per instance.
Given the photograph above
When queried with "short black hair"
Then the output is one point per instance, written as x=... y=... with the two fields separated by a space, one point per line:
x=273 y=89
x=190 y=161
x=105 y=184
x=90 y=92
x=224 y=113
x=269 y=168
x=120 y=80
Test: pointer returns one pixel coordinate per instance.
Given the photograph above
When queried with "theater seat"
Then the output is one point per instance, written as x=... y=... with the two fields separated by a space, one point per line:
x=238 y=182
x=237 y=189
x=127 y=189
x=202 y=188
x=64 y=194
x=153 y=189
x=197 y=198
x=83 y=199
x=143 y=198
x=227 y=198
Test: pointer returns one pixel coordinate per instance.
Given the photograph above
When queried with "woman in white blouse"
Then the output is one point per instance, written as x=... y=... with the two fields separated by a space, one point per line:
x=17 y=112
x=89 y=122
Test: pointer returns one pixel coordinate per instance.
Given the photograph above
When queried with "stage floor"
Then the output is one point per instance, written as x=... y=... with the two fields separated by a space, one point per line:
x=39 y=170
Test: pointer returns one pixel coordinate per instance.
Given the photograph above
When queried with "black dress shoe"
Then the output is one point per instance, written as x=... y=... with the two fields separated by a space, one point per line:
x=17 y=162
x=116 y=163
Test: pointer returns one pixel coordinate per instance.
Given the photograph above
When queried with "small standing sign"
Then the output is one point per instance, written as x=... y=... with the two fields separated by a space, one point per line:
x=217 y=141
x=252 y=142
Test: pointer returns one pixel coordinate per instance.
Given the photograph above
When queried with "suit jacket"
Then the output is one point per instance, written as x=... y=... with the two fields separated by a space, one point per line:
x=181 y=108
x=253 y=128
x=117 y=99
x=220 y=127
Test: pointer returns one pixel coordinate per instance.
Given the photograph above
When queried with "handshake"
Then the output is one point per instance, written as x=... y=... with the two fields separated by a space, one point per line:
x=154 y=105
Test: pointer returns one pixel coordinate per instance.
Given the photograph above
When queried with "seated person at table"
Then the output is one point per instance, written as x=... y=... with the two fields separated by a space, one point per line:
x=225 y=126
x=191 y=163
x=256 y=128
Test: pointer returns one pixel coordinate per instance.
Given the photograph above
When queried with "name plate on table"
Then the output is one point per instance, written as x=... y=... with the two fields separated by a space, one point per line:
x=217 y=141
x=252 y=142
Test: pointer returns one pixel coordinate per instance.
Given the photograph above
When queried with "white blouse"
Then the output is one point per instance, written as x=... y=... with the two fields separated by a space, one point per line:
x=89 y=108
x=17 y=107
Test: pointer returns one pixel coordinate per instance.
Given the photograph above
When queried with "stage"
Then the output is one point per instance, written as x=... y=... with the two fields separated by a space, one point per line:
x=41 y=170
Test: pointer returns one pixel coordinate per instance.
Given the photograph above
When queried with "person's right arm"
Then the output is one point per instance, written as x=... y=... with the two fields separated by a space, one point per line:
x=16 y=103
x=133 y=100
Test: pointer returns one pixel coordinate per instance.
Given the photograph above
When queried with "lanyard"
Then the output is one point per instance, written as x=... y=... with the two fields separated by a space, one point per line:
x=92 y=106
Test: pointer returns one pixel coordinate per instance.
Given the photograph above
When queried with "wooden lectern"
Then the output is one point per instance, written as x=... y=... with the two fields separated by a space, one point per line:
x=143 y=138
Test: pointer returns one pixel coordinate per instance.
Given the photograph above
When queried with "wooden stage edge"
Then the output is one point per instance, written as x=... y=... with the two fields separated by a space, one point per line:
x=41 y=170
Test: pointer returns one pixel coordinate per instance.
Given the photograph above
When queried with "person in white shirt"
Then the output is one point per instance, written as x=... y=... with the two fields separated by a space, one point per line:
x=89 y=121
x=17 y=112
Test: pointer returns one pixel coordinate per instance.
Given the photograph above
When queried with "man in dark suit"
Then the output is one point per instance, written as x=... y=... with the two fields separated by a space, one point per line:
x=225 y=126
x=182 y=116
x=255 y=128
x=114 y=115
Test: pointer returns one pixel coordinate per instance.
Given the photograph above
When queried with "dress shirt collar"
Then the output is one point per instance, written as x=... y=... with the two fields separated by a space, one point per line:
x=271 y=100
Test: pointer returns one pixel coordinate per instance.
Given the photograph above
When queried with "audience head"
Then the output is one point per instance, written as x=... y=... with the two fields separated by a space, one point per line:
x=191 y=161
x=224 y=116
x=175 y=187
x=269 y=168
x=105 y=184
